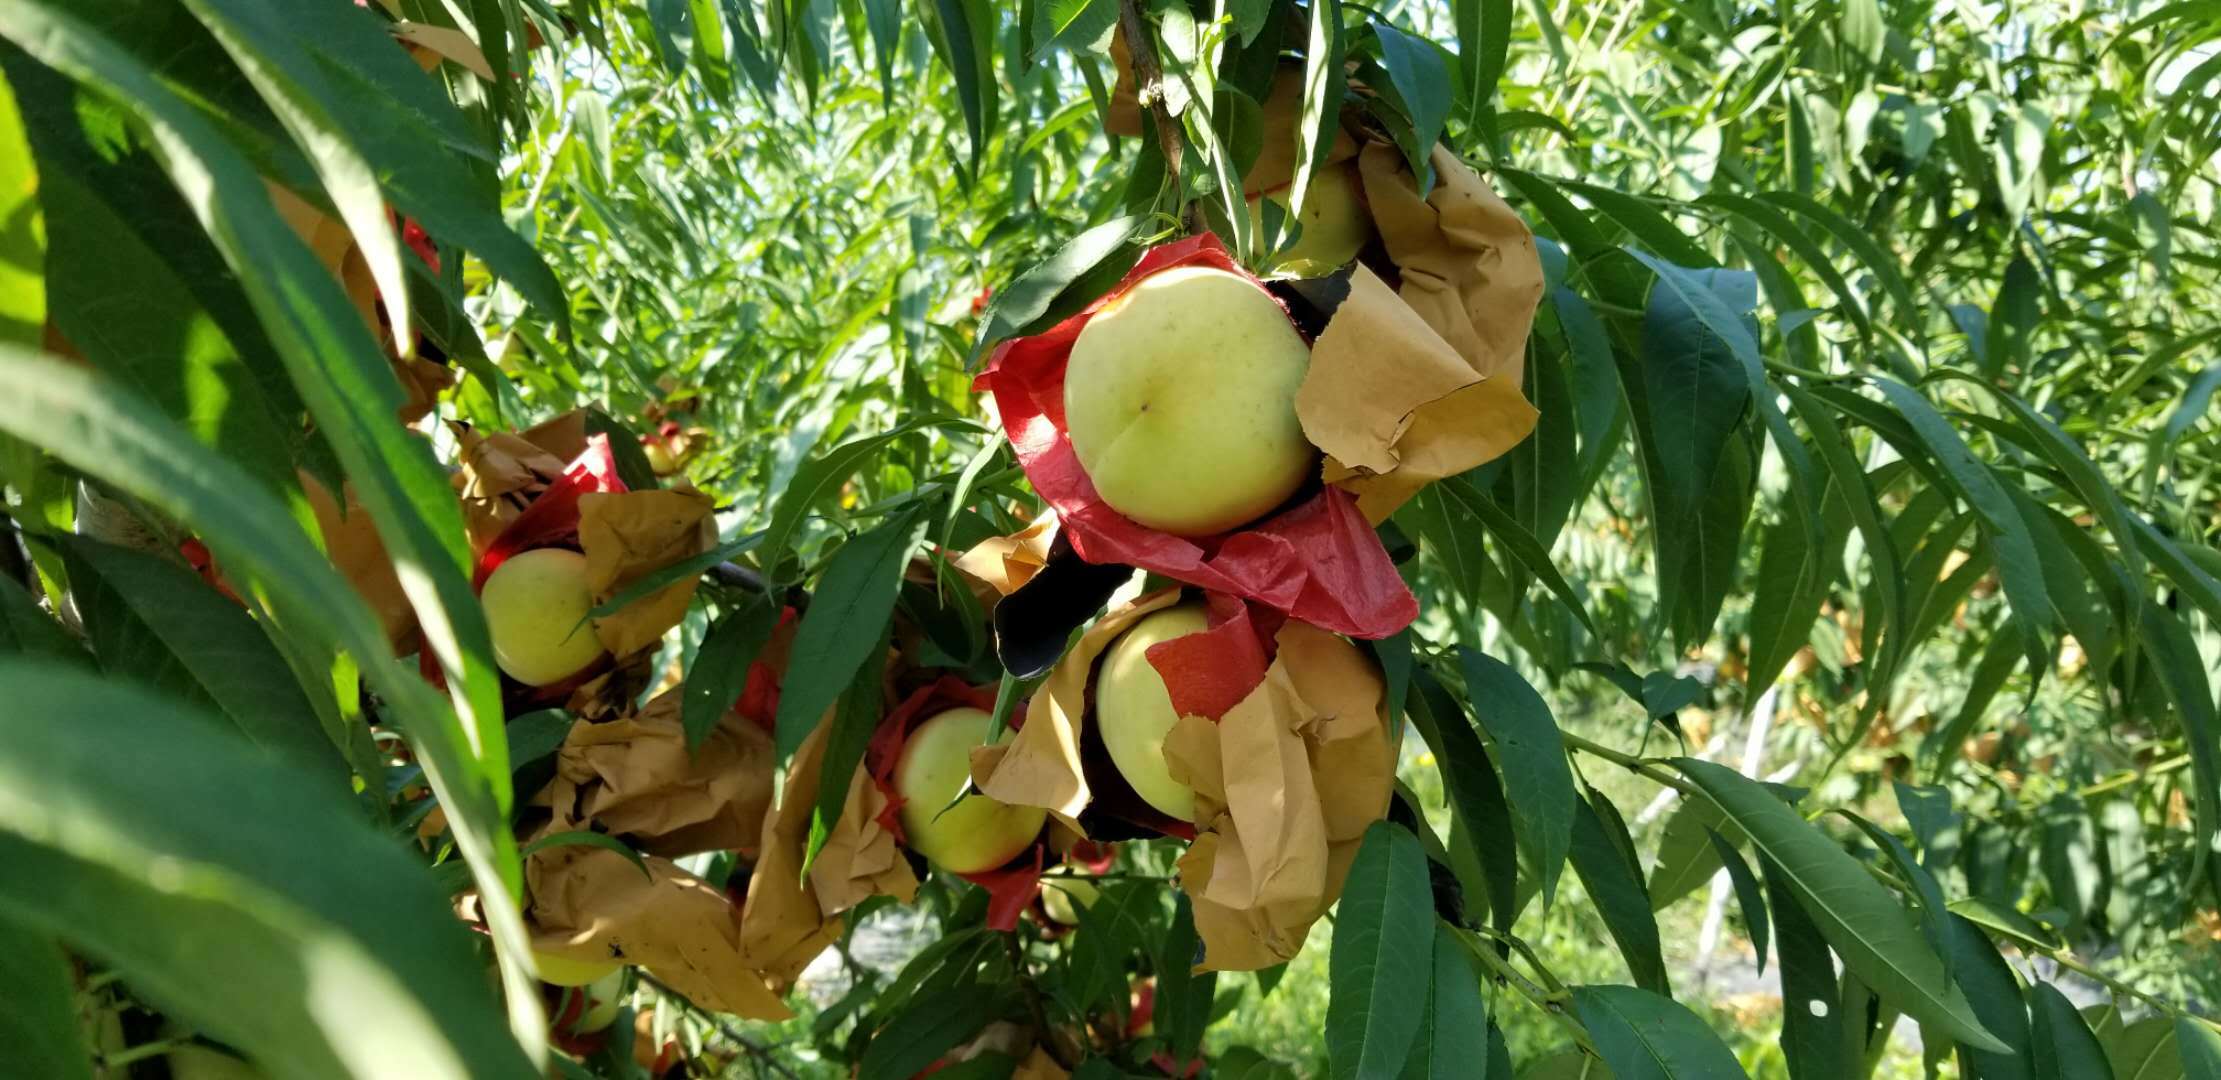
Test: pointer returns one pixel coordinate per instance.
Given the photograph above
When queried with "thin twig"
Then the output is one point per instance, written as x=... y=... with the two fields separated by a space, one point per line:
x=1630 y=762
x=1149 y=92
x=760 y=1051
x=1044 y=1037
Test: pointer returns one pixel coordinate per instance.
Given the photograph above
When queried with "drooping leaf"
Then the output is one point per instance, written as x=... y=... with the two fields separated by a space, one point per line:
x=1856 y=915
x=1453 y=1035
x=1747 y=895
x=1644 y=1036
x=179 y=619
x=38 y=1008
x=1530 y=759
x=1614 y=883
x=182 y=866
x=1382 y=935
x=1811 y=1038
x=839 y=633
x=2064 y=1047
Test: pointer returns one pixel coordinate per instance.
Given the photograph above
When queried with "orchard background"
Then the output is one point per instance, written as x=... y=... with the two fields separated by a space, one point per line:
x=1873 y=463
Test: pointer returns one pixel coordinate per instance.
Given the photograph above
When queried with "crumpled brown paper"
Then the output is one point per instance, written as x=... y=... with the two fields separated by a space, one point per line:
x=1286 y=782
x=1005 y=563
x=351 y=542
x=635 y=778
x=503 y=471
x=788 y=919
x=590 y=903
x=631 y=534
x=1040 y=765
x=1470 y=274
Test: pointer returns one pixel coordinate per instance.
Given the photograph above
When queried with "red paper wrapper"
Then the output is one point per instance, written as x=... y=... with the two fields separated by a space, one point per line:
x=552 y=519
x=1010 y=887
x=759 y=699
x=1208 y=673
x=1319 y=561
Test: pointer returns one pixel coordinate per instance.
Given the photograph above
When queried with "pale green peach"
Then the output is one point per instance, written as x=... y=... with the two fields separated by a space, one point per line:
x=536 y=604
x=1180 y=399
x=562 y=969
x=1335 y=224
x=1064 y=896
x=1133 y=710
x=975 y=834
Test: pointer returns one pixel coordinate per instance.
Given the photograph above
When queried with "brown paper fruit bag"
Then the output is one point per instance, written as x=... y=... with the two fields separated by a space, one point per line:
x=595 y=905
x=635 y=778
x=789 y=918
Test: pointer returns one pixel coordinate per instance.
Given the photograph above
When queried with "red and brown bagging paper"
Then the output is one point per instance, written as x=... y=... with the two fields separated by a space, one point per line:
x=555 y=486
x=1284 y=739
x=1402 y=394
x=1319 y=560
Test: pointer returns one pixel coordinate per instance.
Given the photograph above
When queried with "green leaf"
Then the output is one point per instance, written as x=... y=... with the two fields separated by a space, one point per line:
x=840 y=631
x=1382 y=934
x=1857 y=916
x=1863 y=29
x=1123 y=918
x=1484 y=823
x=187 y=338
x=1811 y=1038
x=1422 y=80
x=929 y=1026
x=656 y=581
x=23 y=244
x=963 y=34
x=38 y=1003
x=1484 y=37
x=232 y=895
x=1747 y=895
x=1184 y=995
x=1686 y=857
x=821 y=476
x=2182 y=676
x=1520 y=543
x=1995 y=993
x=1614 y=882
x=2065 y=1048
x=2017 y=562
x=1027 y=304
x=1530 y=759
x=2195 y=400
x=110 y=434
x=1644 y=1036
x=1878 y=260
x=1323 y=87
x=855 y=718
x=27 y=630
x=2200 y=1044
x=720 y=672
x=1697 y=391
x=1074 y=25
x=223 y=654
x=1793 y=236
x=1453 y=1032
x=2145 y=1050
